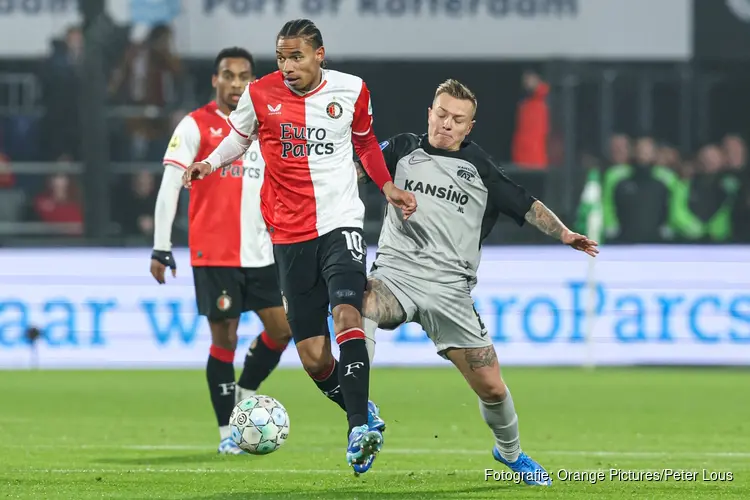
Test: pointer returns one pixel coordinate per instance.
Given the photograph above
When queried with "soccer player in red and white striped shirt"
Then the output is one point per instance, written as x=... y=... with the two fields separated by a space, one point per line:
x=306 y=119
x=230 y=248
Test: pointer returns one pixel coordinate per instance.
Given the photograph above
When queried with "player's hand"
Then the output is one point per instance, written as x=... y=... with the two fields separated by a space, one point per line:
x=399 y=198
x=195 y=171
x=581 y=243
x=160 y=261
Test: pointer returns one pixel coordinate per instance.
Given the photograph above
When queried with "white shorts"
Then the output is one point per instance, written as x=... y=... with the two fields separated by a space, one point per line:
x=445 y=311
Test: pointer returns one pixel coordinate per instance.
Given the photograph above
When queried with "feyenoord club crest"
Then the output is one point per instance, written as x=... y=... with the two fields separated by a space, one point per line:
x=224 y=302
x=334 y=110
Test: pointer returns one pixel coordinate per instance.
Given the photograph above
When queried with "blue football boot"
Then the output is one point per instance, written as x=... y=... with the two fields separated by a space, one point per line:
x=229 y=447
x=373 y=417
x=374 y=422
x=530 y=471
x=364 y=444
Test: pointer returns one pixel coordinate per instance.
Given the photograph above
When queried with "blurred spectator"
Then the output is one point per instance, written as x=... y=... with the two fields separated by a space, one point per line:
x=135 y=211
x=637 y=198
x=59 y=203
x=668 y=156
x=11 y=197
x=619 y=150
x=735 y=151
x=61 y=91
x=148 y=76
x=590 y=196
x=7 y=179
x=705 y=202
x=687 y=169
x=532 y=124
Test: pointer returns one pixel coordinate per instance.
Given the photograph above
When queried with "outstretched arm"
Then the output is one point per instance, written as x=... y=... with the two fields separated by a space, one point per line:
x=550 y=224
x=545 y=220
x=231 y=148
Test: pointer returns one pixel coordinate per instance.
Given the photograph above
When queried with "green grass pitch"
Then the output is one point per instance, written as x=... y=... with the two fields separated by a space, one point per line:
x=151 y=434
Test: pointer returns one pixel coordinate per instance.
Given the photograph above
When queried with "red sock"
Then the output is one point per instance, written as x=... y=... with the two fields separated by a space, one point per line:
x=325 y=375
x=270 y=343
x=350 y=334
x=224 y=355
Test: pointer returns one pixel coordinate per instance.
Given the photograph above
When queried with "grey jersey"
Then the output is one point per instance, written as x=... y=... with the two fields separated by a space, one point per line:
x=459 y=195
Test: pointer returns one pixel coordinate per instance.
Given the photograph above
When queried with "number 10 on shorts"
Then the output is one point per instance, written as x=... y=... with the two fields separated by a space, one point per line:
x=355 y=244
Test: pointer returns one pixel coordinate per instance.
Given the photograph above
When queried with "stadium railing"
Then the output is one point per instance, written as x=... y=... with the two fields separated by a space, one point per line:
x=16 y=225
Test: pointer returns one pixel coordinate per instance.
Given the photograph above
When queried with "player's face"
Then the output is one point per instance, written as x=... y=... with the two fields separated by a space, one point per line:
x=234 y=75
x=299 y=62
x=449 y=121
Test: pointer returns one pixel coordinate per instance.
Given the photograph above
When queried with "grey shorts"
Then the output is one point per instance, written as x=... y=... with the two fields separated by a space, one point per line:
x=446 y=312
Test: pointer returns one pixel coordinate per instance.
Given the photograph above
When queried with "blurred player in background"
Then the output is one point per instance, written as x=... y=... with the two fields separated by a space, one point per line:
x=306 y=119
x=461 y=192
x=230 y=249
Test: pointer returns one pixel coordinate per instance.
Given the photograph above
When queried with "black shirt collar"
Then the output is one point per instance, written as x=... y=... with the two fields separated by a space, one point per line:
x=424 y=143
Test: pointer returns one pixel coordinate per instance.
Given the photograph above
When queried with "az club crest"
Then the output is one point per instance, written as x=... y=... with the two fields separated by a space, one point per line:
x=466 y=174
x=334 y=110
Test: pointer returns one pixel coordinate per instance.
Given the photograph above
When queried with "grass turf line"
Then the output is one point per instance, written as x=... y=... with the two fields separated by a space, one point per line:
x=151 y=434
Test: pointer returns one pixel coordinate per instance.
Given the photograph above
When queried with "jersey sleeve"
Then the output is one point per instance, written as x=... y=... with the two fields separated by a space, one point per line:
x=167 y=201
x=243 y=119
x=396 y=148
x=508 y=197
x=388 y=153
x=362 y=121
x=184 y=144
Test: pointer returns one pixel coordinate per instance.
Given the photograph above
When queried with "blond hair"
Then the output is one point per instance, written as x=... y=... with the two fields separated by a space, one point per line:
x=456 y=89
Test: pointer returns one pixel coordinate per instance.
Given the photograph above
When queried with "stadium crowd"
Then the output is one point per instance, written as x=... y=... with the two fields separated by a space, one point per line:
x=649 y=192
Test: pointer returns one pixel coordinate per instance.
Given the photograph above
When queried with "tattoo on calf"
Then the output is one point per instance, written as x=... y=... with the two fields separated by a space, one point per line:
x=481 y=357
x=382 y=306
x=545 y=220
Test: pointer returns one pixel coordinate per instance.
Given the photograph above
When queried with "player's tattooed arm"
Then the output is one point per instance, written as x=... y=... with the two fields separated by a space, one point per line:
x=545 y=220
x=480 y=357
x=381 y=306
x=362 y=176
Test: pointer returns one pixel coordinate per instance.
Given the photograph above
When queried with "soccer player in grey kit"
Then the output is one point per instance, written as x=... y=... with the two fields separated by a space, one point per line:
x=426 y=266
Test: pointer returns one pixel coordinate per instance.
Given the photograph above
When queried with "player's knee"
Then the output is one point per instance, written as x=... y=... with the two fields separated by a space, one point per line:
x=346 y=316
x=314 y=355
x=278 y=330
x=280 y=334
x=315 y=365
x=224 y=334
x=491 y=390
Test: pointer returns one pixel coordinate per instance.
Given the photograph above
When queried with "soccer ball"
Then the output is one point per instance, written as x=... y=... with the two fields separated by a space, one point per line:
x=259 y=425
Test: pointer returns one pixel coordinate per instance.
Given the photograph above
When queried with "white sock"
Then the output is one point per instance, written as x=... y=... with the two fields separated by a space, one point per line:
x=370 y=328
x=240 y=393
x=502 y=419
x=224 y=432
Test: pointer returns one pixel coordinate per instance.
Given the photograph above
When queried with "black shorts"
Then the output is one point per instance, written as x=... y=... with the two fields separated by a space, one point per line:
x=227 y=292
x=315 y=274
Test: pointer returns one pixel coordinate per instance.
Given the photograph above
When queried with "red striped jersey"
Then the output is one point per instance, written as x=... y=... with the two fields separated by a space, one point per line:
x=225 y=224
x=310 y=185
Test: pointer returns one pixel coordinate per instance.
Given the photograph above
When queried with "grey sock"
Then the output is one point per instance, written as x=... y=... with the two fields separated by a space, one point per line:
x=370 y=328
x=502 y=419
